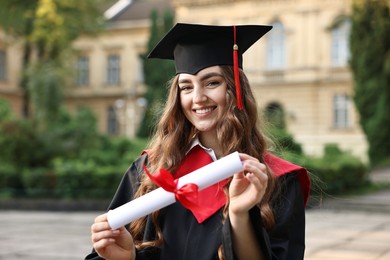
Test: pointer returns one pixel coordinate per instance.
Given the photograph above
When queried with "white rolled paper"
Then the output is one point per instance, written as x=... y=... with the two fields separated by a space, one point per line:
x=159 y=198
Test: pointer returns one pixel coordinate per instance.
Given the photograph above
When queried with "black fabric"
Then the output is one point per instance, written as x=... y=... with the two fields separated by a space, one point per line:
x=194 y=47
x=186 y=239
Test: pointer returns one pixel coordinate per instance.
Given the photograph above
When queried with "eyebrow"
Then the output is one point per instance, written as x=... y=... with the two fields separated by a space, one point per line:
x=204 y=77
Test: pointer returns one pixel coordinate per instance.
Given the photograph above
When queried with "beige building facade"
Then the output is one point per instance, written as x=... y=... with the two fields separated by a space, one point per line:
x=301 y=66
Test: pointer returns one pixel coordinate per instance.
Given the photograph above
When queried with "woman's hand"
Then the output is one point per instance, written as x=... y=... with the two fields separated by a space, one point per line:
x=111 y=244
x=246 y=190
x=248 y=187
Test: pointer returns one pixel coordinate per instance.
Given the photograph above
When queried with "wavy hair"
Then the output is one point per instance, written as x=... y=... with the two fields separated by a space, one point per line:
x=238 y=131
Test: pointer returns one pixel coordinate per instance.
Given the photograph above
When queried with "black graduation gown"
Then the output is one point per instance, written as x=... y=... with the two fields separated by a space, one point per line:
x=185 y=238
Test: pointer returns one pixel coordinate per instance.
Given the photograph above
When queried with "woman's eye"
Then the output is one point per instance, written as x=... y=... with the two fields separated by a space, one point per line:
x=213 y=83
x=185 y=88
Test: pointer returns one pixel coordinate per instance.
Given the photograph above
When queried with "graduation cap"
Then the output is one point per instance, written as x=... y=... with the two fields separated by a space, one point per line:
x=194 y=47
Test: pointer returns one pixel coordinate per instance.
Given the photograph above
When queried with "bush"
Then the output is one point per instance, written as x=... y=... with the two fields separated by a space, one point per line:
x=5 y=110
x=80 y=179
x=10 y=181
x=69 y=159
x=335 y=173
x=39 y=182
x=20 y=144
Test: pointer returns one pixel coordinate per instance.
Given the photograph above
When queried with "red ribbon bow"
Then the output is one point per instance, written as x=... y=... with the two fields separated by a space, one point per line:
x=187 y=195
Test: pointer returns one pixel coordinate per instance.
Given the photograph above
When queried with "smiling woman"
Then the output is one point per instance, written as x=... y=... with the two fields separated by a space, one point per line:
x=210 y=112
x=203 y=100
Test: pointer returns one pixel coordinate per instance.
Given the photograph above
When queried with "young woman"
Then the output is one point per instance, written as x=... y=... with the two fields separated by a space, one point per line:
x=210 y=112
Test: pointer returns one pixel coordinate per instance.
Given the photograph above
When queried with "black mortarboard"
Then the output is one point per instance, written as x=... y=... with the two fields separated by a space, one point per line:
x=194 y=47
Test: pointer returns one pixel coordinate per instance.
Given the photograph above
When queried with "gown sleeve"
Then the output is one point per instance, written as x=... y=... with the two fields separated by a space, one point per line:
x=125 y=191
x=286 y=240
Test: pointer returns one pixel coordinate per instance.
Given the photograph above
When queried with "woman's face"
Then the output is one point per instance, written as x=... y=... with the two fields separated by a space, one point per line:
x=203 y=97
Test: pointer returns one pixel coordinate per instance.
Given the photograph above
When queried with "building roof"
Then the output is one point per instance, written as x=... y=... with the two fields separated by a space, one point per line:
x=126 y=10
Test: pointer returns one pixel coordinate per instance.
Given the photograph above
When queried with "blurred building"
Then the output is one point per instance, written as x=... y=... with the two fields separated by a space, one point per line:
x=300 y=67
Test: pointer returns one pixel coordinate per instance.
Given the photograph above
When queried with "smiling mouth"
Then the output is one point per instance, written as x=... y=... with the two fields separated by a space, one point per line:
x=204 y=110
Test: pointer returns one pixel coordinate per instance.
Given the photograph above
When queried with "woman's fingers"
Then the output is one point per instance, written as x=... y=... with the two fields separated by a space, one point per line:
x=104 y=234
x=253 y=165
x=244 y=156
x=255 y=173
x=103 y=243
x=101 y=230
x=101 y=218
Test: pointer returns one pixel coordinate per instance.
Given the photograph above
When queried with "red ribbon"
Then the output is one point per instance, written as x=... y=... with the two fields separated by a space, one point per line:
x=187 y=195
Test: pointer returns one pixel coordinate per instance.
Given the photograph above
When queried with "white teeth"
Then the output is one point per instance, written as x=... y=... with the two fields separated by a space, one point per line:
x=203 y=111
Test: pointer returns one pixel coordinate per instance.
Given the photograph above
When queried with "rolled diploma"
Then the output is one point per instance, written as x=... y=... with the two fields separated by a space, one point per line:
x=159 y=198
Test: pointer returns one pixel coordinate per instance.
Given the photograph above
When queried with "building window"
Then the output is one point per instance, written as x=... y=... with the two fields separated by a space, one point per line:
x=140 y=70
x=113 y=69
x=276 y=50
x=112 y=121
x=340 y=44
x=341 y=111
x=82 y=67
x=2 y=65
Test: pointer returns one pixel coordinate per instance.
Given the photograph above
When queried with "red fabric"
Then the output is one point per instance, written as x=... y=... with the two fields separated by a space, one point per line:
x=187 y=195
x=281 y=167
x=213 y=198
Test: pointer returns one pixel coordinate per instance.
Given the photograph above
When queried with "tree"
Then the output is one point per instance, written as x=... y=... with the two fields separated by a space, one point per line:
x=370 y=64
x=283 y=141
x=16 y=18
x=157 y=73
x=47 y=28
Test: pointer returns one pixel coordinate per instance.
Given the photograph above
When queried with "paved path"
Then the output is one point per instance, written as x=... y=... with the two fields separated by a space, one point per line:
x=44 y=235
x=347 y=235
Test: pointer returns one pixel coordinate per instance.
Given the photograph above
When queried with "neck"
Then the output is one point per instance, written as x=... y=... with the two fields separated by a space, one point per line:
x=210 y=140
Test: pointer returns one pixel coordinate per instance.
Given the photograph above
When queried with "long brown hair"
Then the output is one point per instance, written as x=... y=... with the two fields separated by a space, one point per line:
x=238 y=131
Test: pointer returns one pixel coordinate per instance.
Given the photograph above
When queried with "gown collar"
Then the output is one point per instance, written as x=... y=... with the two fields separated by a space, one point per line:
x=196 y=142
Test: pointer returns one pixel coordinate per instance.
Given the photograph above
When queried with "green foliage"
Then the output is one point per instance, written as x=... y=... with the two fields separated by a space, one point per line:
x=157 y=73
x=58 y=22
x=20 y=144
x=370 y=64
x=337 y=172
x=5 y=110
x=10 y=179
x=274 y=114
x=86 y=179
x=276 y=128
x=45 y=85
x=16 y=16
x=71 y=135
x=68 y=160
x=38 y=182
x=285 y=142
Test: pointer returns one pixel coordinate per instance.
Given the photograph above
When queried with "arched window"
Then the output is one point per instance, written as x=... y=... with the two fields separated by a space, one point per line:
x=274 y=114
x=276 y=49
x=340 y=43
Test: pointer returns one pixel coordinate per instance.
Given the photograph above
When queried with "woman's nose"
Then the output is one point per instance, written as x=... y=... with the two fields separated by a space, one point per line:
x=199 y=95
